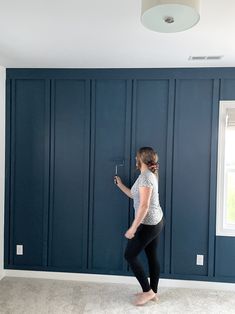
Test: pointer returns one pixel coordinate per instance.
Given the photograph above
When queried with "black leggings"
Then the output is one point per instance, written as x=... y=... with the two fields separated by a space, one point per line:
x=147 y=238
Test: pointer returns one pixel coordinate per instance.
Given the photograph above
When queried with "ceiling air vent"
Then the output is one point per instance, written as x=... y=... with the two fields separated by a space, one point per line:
x=214 y=57
x=200 y=58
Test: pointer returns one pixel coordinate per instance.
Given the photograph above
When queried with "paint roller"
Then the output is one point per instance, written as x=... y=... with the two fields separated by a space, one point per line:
x=120 y=164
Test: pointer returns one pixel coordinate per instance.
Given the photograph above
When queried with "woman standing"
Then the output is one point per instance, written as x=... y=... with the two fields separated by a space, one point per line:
x=147 y=225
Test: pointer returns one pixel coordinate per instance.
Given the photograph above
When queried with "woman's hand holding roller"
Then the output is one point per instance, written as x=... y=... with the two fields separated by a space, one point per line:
x=117 y=181
x=122 y=187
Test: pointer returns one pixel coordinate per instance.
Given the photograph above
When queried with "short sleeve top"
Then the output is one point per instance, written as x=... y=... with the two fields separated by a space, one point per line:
x=155 y=213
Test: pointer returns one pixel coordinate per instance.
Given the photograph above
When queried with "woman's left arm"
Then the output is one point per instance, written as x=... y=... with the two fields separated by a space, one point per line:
x=145 y=196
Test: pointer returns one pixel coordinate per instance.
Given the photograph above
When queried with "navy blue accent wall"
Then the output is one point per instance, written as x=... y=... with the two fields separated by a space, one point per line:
x=149 y=128
x=228 y=89
x=69 y=172
x=191 y=175
x=109 y=208
x=66 y=129
x=29 y=170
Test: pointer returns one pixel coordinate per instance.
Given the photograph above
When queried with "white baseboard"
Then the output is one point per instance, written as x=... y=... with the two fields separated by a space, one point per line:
x=166 y=283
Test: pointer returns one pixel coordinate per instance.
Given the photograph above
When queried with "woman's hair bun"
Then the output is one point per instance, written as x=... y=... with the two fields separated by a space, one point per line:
x=153 y=166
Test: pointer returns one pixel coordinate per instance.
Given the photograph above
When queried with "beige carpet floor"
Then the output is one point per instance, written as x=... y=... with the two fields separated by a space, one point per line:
x=46 y=296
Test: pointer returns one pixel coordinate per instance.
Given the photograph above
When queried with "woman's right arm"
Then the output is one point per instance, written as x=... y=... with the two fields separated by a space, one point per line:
x=122 y=187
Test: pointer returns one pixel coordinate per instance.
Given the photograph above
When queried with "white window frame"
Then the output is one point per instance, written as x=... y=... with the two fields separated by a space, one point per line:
x=222 y=228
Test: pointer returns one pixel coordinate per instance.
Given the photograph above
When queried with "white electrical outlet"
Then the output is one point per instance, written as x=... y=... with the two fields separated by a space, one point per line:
x=19 y=249
x=200 y=260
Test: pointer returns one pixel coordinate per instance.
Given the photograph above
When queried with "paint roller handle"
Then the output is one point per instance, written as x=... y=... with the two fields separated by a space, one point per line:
x=117 y=179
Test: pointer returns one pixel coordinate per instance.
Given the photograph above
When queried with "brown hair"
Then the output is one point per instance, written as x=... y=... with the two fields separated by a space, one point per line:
x=149 y=157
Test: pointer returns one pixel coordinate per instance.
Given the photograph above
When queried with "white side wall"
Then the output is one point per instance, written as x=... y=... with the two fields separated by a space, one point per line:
x=2 y=164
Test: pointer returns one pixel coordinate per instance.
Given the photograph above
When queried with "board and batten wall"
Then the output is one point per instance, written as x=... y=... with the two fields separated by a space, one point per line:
x=2 y=165
x=67 y=128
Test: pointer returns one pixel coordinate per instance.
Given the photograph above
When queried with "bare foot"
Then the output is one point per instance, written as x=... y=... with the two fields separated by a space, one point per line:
x=155 y=298
x=144 y=297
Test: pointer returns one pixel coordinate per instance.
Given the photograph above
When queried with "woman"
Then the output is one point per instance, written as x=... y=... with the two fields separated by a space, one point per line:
x=147 y=225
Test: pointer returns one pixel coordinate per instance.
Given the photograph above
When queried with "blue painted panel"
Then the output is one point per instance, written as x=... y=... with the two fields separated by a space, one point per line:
x=225 y=257
x=69 y=174
x=29 y=170
x=228 y=89
x=191 y=175
x=7 y=248
x=111 y=144
x=213 y=179
x=150 y=115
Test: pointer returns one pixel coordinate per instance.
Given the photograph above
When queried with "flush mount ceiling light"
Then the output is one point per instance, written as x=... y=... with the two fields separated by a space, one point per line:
x=170 y=16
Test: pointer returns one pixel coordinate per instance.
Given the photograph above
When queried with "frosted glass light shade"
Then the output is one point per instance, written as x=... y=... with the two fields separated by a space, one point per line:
x=169 y=16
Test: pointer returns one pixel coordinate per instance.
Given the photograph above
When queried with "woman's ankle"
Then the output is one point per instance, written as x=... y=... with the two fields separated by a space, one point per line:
x=149 y=292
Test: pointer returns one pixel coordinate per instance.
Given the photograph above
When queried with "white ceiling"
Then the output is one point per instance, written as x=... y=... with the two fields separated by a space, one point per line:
x=108 y=34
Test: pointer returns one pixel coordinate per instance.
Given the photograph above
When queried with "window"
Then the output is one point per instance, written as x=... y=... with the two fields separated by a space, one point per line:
x=225 y=220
